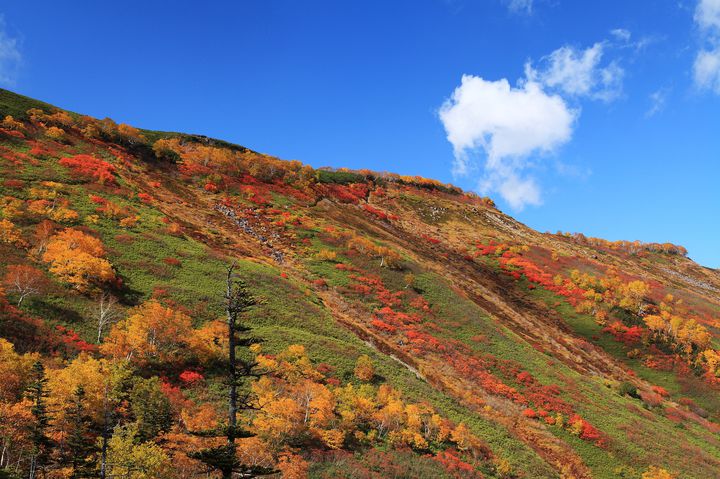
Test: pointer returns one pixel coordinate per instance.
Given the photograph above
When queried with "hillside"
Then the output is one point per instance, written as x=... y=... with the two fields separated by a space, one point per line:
x=409 y=329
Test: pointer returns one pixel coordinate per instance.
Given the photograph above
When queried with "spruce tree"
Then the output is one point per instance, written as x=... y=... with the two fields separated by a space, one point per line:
x=36 y=392
x=150 y=407
x=80 y=445
x=238 y=369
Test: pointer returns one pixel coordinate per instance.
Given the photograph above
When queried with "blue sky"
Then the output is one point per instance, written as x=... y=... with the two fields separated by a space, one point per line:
x=601 y=117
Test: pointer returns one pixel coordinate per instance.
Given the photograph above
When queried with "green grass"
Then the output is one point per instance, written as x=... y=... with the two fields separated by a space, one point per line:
x=338 y=177
x=17 y=105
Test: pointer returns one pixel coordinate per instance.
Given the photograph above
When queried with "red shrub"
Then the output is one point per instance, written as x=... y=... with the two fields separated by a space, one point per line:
x=661 y=391
x=353 y=193
x=529 y=413
x=191 y=377
x=587 y=431
x=88 y=166
x=651 y=399
x=15 y=184
x=13 y=133
x=525 y=378
x=72 y=341
x=624 y=334
x=430 y=239
x=144 y=197
x=124 y=238
x=383 y=326
x=171 y=261
x=376 y=212
x=456 y=466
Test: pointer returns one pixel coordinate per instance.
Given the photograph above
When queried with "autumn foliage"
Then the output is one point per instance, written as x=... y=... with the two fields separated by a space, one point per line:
x=78 y=259
x=91 y=167
x=151 y=333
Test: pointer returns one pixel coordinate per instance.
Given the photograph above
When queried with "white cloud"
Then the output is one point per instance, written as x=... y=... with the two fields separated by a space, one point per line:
x=706 y=69
x=519 y=192
x=503 y=132
x=507 y=124
x=658 y=99
x=707 y=15
x=520 y=6
x=622 y=39
x=621 y=34
x=579 y=73
x=10 y=57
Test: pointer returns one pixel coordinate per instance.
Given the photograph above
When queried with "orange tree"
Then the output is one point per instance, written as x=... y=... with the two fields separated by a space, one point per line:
x=78 y=258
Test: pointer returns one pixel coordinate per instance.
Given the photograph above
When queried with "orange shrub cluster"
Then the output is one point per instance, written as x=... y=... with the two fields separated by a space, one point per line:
x=298 y=401
x=631 y=247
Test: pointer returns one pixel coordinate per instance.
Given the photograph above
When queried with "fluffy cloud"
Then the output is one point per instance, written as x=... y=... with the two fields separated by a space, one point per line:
x=508 y=124
x=707 y=15
x=580 y=72
x=9 y=56
x=706 y=69
x=504 y=131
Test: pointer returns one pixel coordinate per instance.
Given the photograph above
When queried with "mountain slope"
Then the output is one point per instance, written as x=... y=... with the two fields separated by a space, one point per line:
x=539 y=355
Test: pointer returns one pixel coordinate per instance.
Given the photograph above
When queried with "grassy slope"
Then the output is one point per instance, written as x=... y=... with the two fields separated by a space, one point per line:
x=291 y=312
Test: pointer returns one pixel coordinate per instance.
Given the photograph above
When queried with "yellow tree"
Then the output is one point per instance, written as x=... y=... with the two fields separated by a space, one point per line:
x=632 y=295
x=57 y=134
x=710 y=360
x=85 y=371
x=655 y=472
x=131 y=134
x=364 y=369
x=293 y=466
x=11 y=123
x=151 y=333
x=280 y=419
x=462 y=437
x=10 y=234
x=130 y=459
x=16 y=421
x=209 y=342
x=14 y=371
x=78 y=259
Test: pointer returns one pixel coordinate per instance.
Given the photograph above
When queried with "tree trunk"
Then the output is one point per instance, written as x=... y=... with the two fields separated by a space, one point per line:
x=105 y=434
x=232 y=400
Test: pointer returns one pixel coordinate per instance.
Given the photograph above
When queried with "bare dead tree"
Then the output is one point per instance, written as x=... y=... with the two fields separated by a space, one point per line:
x=24 y=281
x=106 y=312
